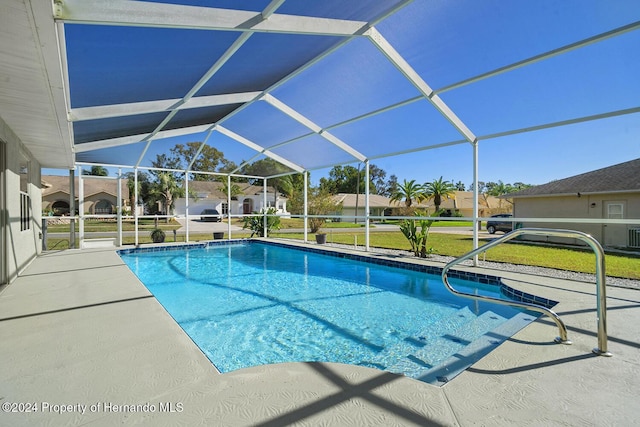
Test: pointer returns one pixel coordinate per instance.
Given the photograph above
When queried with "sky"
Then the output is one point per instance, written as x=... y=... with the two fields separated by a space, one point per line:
x=455 y=41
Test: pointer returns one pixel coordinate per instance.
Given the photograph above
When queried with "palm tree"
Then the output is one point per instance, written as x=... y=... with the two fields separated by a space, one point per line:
x=235 y=189
x=438 y=189
x=168 y=189
x=96 y=171
x=408 y=191
x=500 y=189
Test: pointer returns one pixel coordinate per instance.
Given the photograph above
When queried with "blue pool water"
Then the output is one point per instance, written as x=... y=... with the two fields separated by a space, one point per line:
x=247 y=304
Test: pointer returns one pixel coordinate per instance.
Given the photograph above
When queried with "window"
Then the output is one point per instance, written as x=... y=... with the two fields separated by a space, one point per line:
x=225 y=208
x=103 y=207
x=25 y=211
x=615 y=211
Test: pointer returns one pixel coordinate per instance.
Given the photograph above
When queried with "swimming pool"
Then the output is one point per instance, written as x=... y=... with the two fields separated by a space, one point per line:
x=250 y=303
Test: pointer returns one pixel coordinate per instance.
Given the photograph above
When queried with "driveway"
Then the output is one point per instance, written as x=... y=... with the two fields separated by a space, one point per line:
x=198 y=226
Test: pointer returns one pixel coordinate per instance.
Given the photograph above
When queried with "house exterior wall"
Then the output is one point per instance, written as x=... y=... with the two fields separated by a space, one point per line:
x=20 y=246
x=585 y=206
x=50 y=199
x=89 y=201
x=351 y=212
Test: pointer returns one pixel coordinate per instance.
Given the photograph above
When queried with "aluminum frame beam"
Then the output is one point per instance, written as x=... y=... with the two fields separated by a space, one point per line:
x=403 y=66
x=304 y=121
x=144 y=14
x=134 y=139
x=165 y=105
x=244 y=141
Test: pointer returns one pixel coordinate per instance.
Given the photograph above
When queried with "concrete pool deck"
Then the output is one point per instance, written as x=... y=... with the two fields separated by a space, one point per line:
x=85 y=343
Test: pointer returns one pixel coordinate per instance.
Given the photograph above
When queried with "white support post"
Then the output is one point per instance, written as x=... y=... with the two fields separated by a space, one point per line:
x=366 y=205
x=306 y=206
x=72 y=208
x=80 y=209
x=264 y=206
x=119 y=212
x=475 y=200
x=229 y=206
x=186 y=205
x=135 y=211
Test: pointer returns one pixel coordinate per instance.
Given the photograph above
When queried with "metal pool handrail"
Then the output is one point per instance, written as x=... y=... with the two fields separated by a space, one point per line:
x=600 y=282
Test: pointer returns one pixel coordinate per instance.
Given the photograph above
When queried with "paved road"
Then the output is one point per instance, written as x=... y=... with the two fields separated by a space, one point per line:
x=198 y=226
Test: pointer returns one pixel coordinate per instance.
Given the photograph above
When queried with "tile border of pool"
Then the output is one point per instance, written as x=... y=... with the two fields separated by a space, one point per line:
x=506 y=290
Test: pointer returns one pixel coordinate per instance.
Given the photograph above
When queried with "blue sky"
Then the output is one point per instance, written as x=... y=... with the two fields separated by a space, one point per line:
x=445 y=42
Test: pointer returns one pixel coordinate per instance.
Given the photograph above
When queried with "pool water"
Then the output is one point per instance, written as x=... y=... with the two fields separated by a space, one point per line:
x=248 y=304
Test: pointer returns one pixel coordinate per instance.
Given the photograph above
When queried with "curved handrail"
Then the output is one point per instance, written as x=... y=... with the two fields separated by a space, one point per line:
x=600 y=282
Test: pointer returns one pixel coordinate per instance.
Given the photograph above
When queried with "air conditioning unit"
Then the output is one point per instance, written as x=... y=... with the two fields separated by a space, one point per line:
x=634 y=238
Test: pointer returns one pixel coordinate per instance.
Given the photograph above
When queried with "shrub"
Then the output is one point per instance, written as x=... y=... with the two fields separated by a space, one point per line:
x=417 y=235
x=255 y=223
x=320 y=203
x=157 y=235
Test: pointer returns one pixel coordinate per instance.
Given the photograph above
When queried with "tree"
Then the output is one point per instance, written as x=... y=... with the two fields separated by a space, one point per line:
x=295 y=204
x=209 y=159
x=96 y=171
x=438 y=189
x=517 y=186
x=143 y=187
x=377 y=177
x=320 y=203
x=167 y=190
x=266 y=167
x=231 y=191
x=342 y=179
x=498 y=189
x=390 y=187
x=351 y=180
x=460 y=186
x=408 y=191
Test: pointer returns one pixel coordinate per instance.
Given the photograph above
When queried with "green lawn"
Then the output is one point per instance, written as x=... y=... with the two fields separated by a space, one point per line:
x=514 y=253
x=445 y=244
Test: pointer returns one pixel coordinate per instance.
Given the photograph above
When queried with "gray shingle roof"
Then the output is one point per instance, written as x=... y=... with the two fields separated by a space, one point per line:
x=621 y=177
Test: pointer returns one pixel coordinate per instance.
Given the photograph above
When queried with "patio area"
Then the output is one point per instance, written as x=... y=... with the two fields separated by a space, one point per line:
x=85 y=343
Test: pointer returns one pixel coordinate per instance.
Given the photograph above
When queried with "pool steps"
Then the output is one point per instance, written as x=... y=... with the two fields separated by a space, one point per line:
x=462 y=331
x=475 y=351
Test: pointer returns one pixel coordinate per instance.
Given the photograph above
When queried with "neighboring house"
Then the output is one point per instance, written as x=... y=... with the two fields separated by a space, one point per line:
x=461 y=202
x=377 y=204
x=608 y=193
x=210 y=195
x=100 y=195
